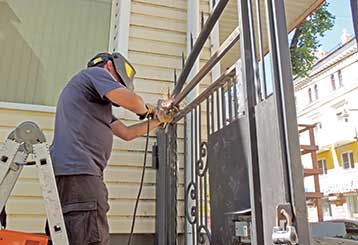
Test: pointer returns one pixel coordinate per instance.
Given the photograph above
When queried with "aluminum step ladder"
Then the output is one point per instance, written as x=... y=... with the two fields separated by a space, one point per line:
x=28 y=139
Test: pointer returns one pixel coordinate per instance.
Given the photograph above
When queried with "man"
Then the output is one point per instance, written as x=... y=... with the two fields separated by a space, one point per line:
x=84 y=129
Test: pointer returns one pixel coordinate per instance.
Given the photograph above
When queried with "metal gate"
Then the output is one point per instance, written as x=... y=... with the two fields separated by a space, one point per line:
x=242 y=166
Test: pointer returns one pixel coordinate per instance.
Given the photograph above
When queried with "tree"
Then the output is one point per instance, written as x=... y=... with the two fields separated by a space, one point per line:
x=305 y=41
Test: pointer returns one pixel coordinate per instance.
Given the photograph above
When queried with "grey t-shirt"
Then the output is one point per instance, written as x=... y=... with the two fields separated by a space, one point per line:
x=83 y=136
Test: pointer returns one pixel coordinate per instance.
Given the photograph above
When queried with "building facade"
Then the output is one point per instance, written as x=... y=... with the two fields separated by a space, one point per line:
x=328 y=98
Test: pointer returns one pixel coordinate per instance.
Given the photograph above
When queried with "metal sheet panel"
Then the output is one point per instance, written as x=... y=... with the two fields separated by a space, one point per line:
x=229 y=184
x=271 y=168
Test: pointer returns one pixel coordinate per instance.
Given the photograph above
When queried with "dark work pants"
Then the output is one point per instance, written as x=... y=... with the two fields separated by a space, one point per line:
x=84 y=200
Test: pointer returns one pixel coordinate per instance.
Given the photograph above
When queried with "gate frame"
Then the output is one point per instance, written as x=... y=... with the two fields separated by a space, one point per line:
x=285 y=108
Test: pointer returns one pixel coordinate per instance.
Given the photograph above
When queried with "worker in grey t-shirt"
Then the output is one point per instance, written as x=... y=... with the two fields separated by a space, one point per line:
x=82 y=144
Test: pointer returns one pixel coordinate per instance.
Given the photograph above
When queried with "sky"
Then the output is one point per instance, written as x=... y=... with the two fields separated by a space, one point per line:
x=342 y=11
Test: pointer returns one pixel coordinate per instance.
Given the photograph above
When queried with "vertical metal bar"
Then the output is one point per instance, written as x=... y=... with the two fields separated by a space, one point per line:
x=196 y=174
x=287 y=118
x=206 y=199
x=205 y=183
x=166 y=219
x=212 y=113
x=276 y=84
x=161 y=221
x=254 y=53
x=198 y=171
x=208 y=116
x=229 y=98
x=185 y=177
x=236 y=105
x=193 y=230
x=171 y=160
x=223 y=106
x=354 y=8
x=261 y=50
x=193 y=29
x=192 y=146
x=218 y=108
x=248 y=76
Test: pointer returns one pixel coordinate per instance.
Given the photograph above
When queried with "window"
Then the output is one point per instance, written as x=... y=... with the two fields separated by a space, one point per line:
x=317 y=129
x=45 y=42
x=327 y=210
x=316 y=91
x=310 y=95
x=353 y=204
x=347 y=160
x=340 y=78
x=333 y=82
x=322 y=163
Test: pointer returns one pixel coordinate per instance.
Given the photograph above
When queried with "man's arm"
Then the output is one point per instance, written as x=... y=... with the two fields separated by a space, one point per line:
x=131 y=132
x=128 y=100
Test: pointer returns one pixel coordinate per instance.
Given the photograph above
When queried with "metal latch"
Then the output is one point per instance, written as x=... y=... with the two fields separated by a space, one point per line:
x=284 y=232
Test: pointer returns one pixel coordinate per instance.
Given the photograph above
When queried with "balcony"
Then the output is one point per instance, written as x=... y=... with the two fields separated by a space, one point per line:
x=337 y=133
x=339 y=181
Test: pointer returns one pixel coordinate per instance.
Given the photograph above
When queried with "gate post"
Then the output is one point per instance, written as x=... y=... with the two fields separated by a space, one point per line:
x=166 y=186
x=354 y=8
x=248 y=78
x=284 y=111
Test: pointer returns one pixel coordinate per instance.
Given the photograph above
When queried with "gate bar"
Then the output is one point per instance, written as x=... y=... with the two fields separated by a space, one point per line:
x=214 y=59
x=354 y=7
x=249 y=89
x=287 y=117
x=211 y=88
x=199 y=44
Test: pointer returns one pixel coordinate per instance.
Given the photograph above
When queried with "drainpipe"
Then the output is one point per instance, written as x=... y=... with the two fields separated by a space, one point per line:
x=193 y=29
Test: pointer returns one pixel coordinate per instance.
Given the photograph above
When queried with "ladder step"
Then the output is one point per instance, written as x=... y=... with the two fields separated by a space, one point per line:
x=312 y=171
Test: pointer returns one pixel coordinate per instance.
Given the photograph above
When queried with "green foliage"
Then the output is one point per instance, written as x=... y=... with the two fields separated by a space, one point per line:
x=305 y=41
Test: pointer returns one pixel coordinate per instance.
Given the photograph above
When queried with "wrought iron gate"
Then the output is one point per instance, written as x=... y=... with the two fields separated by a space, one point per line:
x=263 y=127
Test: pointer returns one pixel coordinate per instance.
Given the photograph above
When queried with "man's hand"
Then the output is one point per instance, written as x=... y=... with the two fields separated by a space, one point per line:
x=151 y=112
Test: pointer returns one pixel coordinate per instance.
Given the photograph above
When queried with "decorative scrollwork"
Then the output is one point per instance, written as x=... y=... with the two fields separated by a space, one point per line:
x=203 y=232
x=191 y=192
x=202 y=163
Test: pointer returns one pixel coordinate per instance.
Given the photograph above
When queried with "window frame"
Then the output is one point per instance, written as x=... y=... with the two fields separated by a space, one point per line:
x=340 y=78
x=333 y=82
x=323 y=167
x=351 y=163
x=310 y=95
x=316 y=92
